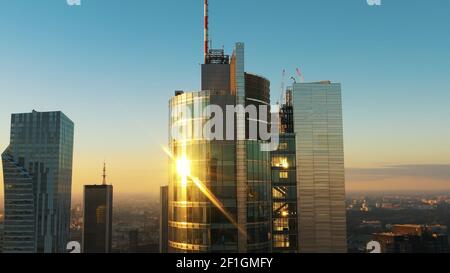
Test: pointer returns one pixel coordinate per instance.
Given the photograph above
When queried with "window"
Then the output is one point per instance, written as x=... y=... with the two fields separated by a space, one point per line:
x=281 y=241
x=276 y=193
x=284 y=175
x=280 y=161
x=283 y=146
x=280 y=224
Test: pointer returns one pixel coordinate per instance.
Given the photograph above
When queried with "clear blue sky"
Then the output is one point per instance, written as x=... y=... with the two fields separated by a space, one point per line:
x=111 y=66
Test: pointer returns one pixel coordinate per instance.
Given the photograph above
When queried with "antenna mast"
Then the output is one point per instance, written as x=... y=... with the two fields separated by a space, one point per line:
x=104 y=173
x=206 y=30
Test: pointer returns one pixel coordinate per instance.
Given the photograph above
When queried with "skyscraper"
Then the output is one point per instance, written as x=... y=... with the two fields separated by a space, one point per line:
x=320 y=167
x=284 y=184
x=220 y=183
x=1 y=237
x=37 y=170
x=164 y=220
x=133 y=240
x=222 y=204
x=97 y=217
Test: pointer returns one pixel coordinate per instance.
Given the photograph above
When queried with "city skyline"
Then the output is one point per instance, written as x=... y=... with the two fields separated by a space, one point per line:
x=118 y=103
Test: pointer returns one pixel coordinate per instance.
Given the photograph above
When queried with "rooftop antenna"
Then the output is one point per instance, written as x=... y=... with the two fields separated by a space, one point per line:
x=104 y=174
x=211 y=55
x=206 y=30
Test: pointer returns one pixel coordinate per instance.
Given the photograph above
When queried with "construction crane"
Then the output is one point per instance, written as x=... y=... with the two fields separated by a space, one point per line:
x=283 y=79
x=300 y=75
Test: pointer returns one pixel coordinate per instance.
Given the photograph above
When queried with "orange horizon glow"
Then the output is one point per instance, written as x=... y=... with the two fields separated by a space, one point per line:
x=129 y=178
x=144 y=170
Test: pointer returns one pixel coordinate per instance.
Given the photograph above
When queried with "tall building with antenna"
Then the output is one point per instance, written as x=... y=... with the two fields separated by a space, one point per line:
x=97 y=217
x=219 y=189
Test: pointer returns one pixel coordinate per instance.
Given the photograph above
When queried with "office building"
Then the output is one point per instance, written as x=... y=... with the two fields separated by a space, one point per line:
x=318 y=131
x=97 y=217
x=37 y=170
x=133 y=241
x=220 y=183
x=284 y=184
x=1 y=237
x=164 y=220
x=414 y=239
x=230 y=210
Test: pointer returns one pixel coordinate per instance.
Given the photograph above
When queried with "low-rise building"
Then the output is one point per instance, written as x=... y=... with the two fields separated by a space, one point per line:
x=414 y=239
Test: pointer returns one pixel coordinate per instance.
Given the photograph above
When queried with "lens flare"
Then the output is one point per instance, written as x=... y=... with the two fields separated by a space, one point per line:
x=183 y=166
x=213 y=199
x=183 y=169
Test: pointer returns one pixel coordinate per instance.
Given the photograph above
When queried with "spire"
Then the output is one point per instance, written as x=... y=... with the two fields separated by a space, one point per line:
x=104 y=173
x=206 y=30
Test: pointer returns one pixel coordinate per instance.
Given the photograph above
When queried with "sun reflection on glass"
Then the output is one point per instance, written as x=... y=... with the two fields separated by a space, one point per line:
x=183 y=169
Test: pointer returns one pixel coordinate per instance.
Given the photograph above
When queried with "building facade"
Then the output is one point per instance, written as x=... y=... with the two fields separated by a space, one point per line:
x=284 y=185
x=133 y=241
x=37 y=170
x=318 y=130
x=164 y=220
x=1 y=237
x=414 y=239
x=97 y=218
x=223 y=205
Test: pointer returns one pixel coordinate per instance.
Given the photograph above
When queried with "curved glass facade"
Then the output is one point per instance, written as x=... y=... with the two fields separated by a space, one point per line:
x=196 y=224
x=258 y=198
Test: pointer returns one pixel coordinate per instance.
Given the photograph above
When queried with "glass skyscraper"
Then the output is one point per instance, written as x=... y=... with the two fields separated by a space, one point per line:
x=320 y=167
x=37 y=169
x=233 y=175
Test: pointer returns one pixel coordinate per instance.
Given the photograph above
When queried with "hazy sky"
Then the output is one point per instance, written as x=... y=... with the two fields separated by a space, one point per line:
x=112 y=65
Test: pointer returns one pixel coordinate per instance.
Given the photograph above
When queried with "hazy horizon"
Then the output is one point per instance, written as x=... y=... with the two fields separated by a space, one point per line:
x=77 y=199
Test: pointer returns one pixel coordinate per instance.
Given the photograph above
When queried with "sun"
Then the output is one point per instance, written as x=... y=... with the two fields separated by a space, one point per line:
x=183 y=169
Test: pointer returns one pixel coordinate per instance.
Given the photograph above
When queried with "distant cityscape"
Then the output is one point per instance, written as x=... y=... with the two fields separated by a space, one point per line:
x=367 y=215
x=135 y=224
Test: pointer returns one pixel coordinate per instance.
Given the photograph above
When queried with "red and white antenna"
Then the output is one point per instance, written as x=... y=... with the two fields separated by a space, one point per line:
x=206 y=30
